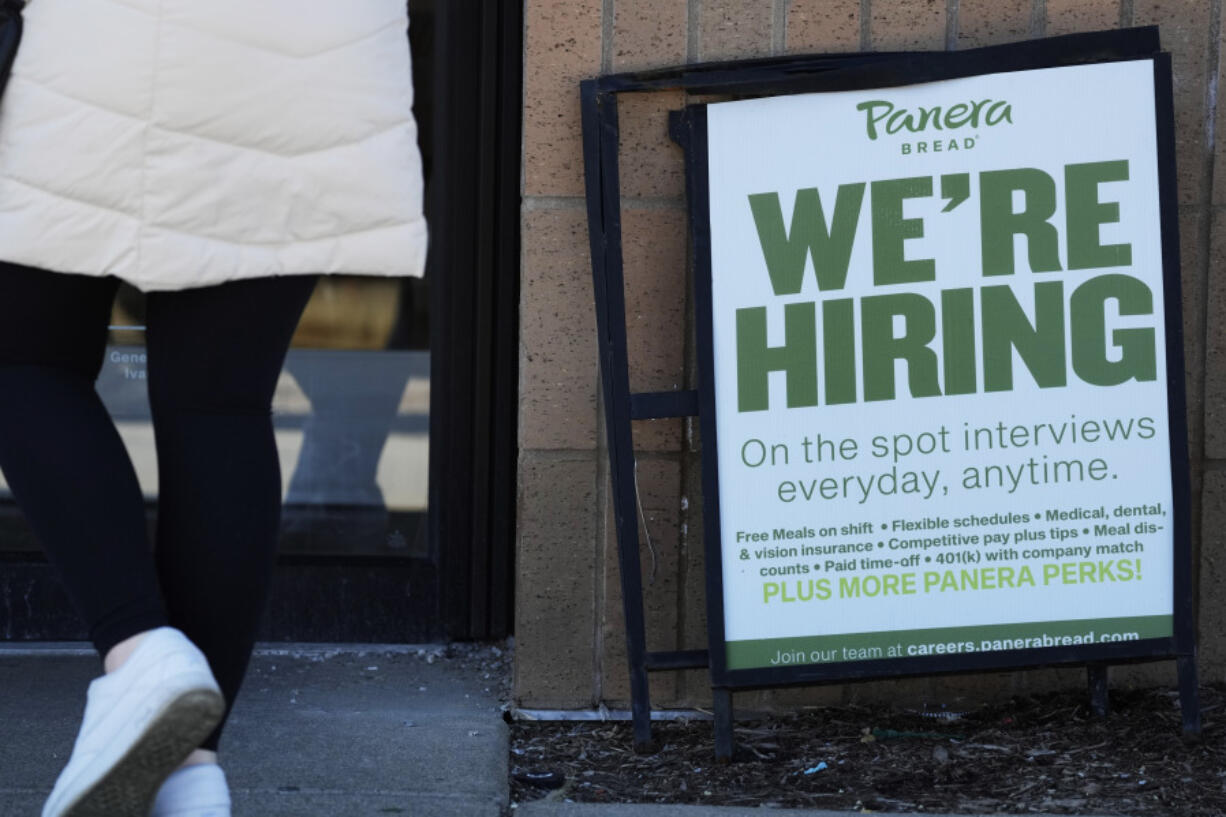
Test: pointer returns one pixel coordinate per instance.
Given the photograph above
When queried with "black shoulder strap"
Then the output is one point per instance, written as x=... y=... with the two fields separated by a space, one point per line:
x=10 y=37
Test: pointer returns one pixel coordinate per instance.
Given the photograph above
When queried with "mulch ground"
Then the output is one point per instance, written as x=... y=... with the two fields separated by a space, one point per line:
x=1039 y=754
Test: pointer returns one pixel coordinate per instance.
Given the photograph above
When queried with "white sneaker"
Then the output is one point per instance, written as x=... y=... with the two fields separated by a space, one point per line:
x=198 y=790
x=141 y=722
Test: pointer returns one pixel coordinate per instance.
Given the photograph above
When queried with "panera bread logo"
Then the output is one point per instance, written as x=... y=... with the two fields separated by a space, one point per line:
x=880 y=114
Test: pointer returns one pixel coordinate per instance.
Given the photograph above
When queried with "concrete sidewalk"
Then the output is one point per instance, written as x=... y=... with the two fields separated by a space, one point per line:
x=315 y=731
x=342 y=731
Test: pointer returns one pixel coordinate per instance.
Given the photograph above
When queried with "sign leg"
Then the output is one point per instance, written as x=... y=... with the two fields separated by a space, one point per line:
x=1189 y=696
x=641 y=709
x=1096 y=675
x=723 y=724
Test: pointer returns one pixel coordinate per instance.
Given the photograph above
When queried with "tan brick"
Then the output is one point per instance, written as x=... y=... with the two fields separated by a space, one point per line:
x=650 y=163
x=1051 y=679
x=901 y=693
x=659 y=482
x=730 y=29
x=648 y=34
x=988 y=22
x=959 y=693
x=695 y=685
x=561 y=46
x=1212 y=623
x=1215 y=343
x=1185 y=33
x=1145 y=676
x=558 y=359
x=1219 y=162
x=654 y=253
x=555 y=610
x=1119 y=677
x=657 y=435
x=752 y=702
x=653 y=248
x=823 y=26
x=1072 y=16
x=908 y=24
x=694 y=688
x=1192 y=282
x=789 y=699
x=744 y=702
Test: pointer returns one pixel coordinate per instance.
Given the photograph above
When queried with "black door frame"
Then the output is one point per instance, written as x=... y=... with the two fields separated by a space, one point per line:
x=473 y=197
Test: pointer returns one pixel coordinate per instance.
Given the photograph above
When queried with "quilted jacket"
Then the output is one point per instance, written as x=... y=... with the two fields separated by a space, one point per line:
x=182 y=143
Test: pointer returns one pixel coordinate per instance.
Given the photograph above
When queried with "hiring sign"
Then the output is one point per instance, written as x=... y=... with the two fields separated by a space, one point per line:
x=939 y=368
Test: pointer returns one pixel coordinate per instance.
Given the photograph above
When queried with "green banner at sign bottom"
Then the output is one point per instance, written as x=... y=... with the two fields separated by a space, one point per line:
x=833 y=649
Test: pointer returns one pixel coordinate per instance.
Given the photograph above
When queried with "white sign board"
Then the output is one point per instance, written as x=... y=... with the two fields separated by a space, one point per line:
x=940 y=368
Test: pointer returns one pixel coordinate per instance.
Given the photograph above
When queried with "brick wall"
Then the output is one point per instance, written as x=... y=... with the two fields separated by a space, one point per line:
x=570 y=649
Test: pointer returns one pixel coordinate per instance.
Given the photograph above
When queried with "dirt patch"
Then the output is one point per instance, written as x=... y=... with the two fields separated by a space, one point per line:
x=1036 y=754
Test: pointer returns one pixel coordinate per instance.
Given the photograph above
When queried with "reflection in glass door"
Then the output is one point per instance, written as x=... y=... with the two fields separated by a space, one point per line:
x=352 y=421
x=351 y=413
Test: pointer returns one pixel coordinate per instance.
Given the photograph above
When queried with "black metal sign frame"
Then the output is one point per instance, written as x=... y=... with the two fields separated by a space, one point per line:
x=772 y=77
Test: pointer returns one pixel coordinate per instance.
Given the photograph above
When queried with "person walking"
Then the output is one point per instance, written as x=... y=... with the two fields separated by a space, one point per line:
x=218 y=156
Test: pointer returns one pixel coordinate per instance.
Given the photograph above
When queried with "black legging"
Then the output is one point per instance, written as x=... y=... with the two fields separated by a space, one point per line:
x=214 y=355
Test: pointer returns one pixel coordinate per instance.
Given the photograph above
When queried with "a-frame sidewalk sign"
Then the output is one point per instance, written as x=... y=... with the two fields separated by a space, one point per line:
x=940 y=365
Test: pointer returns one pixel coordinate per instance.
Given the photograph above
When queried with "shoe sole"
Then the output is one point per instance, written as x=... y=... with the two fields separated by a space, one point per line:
x=129 y=787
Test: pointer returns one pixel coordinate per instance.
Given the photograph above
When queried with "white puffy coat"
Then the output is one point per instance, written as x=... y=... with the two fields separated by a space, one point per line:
x=181 y=143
